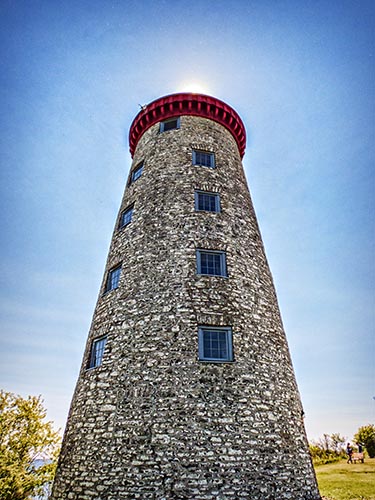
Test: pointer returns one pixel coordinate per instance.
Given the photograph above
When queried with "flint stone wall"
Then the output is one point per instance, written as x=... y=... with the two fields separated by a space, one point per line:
x=152 y=422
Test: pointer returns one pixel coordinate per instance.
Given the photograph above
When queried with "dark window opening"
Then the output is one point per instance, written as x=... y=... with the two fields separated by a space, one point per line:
x=208 y=202
x=203 y=159
x=113 y=279
x=211 y=262
x=96 y=353
x=215 y=344
x=169 y=124
x=126 y=217
x=137 y=172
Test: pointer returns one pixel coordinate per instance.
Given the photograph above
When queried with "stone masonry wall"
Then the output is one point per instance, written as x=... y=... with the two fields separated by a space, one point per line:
x=153 y=422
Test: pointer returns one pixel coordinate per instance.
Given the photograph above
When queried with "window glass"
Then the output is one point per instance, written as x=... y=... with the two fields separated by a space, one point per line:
x=209 y=202
x=97 y=351
x=203 y=159
x=126 y=217
x=137 y=172
x=113 y=279
x=170 y=124
x=211 y=262
x=215 y=344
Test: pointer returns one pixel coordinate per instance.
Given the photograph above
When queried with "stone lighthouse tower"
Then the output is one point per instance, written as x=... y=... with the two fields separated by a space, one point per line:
x=186 y=390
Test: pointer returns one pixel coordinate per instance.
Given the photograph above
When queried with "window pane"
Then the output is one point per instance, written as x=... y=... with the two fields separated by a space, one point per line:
x=169 y=125
x=208 y=202
x=211 y=203
x=215 y=344
x=126 y=217
x=206 y=264
x=203 y=159
x=113 y=279
x=137 y=173
x=97 y=351
x=211 y=263
x=217 y=264
x=222 y=345
x=201 y=202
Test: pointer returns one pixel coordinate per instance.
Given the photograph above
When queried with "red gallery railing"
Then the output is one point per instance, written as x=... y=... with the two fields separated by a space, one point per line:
x=187 y=104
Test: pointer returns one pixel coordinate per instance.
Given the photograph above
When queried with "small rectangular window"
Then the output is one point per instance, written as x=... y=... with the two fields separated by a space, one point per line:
x=170 y=124
x=203 y=159
x=113 y=279
x=211 y=262
x=208 y=202
x=215 y=344
x=137 y=172
x=126 y=217
x=96 y=353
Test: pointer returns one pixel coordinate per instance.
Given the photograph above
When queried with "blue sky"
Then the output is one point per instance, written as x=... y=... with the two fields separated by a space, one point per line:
x=301 y=76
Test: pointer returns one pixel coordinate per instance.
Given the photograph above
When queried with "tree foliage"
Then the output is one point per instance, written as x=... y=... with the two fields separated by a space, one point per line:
x=28 y=447
x=329 y=448
x=366 y=436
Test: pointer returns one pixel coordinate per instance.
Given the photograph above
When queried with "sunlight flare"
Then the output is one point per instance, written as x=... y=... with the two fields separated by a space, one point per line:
x=193 y=86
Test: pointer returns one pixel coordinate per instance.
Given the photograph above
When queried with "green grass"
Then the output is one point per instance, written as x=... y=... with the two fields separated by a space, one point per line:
x=342 y=481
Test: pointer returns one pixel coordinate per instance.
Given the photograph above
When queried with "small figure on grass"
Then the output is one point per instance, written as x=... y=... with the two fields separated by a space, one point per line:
x=349 y=452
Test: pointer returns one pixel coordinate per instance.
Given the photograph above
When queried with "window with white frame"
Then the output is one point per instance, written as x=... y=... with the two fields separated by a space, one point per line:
x=215 y=344
x=203 y=159
x=96 y=352
x=170 y=124
x=211 y=262
x=207 y=202
x=126 y=217
x=113 y=279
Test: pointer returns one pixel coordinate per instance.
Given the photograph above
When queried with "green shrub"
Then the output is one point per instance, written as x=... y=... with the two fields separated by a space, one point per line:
x=329 y=449
x=366 y=436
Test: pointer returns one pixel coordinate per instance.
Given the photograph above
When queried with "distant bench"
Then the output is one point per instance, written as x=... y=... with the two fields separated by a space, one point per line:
x=356 y=457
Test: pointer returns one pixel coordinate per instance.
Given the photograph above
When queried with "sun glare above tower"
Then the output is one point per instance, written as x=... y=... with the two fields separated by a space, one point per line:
x=194 y=86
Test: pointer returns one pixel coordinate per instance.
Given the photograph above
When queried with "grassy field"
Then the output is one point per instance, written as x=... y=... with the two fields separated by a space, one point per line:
x=342 y=481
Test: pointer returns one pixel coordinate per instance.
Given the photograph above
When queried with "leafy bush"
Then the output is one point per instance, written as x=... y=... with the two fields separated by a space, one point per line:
x=329 y=448
x=366 y=436
x=28 y=447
